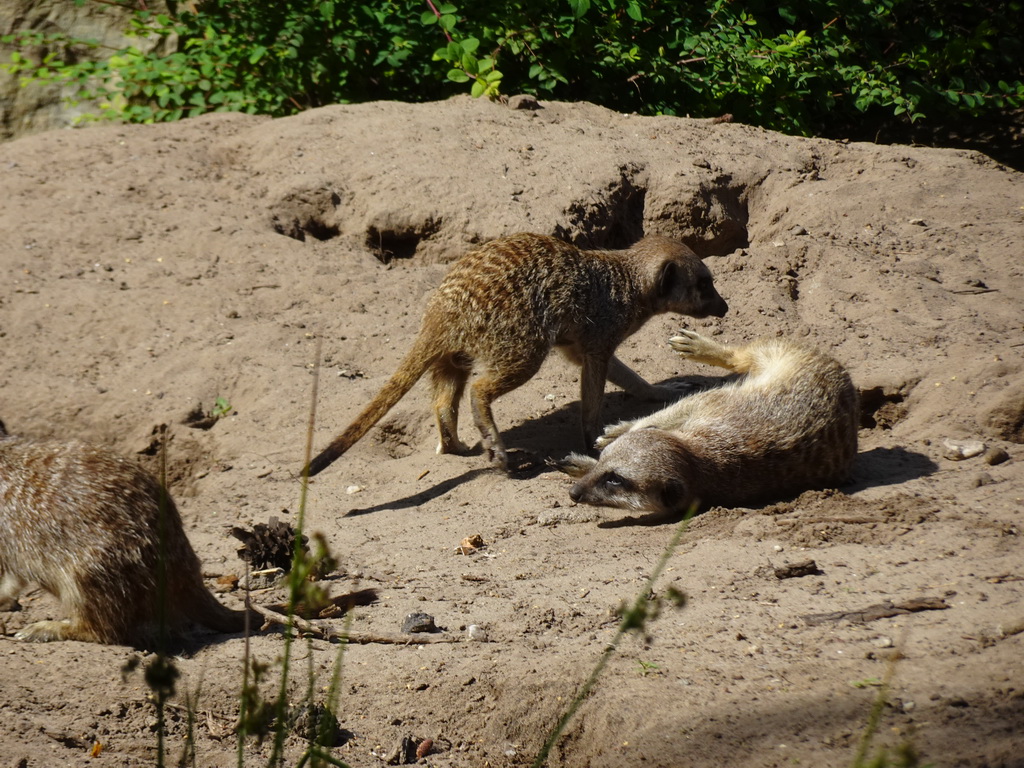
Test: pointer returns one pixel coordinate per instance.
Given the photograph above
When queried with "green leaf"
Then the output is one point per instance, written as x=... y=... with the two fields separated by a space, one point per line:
x=634 y=12
x=428 y=18
x=478 y=89
x=470 y=44
x=579 y=8
x=458 y=76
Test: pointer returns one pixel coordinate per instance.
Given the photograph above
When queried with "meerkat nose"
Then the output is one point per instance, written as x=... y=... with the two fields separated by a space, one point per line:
x=576 y=492
x=720 y=308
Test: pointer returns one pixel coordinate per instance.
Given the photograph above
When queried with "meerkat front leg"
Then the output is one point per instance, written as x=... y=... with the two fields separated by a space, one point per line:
x=701 y=349
x=621 y=375
x=592 y=377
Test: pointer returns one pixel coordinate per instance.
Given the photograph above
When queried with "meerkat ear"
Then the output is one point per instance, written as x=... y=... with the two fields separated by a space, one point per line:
x=574 y=465
x=668 y=279
x=674 y=495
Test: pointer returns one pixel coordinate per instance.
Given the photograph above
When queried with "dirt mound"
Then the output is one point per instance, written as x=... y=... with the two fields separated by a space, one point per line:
x=151 y=270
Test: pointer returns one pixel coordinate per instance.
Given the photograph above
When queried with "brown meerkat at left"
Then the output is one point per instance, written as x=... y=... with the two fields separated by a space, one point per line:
x=101 y=534
x=787 y=424
x=504 y=306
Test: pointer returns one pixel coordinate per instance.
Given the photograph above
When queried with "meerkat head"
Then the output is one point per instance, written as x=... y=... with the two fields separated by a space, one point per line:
x=682 y=282
x=645 y=470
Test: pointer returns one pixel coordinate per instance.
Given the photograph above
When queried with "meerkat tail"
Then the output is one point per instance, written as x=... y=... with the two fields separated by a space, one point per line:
x=415 y=364
x=205 y=609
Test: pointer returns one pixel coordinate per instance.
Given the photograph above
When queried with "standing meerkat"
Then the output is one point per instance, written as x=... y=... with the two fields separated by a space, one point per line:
x=95 y=530
x=788 y=424
x=504 y=306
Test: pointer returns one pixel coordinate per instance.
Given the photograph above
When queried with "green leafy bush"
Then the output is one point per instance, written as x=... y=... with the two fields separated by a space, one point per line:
x=802 y=66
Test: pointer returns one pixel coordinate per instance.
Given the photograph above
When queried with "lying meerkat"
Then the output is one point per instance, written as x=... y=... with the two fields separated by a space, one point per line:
x=96 y=530
x=504 y=306
x=788 y=424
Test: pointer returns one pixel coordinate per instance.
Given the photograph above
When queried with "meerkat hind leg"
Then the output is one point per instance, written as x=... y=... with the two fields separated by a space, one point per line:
x=484 y=391
x=48 y=631
x=448 y=379
x=701 y=349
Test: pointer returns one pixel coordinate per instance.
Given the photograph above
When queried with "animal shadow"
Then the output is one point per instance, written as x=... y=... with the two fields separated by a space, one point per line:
x=888 y=466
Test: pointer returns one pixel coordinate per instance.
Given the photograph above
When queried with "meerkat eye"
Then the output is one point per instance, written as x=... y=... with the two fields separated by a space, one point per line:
x=614 y=480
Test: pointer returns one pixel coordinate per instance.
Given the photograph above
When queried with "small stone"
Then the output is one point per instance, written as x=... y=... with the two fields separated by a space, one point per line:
x=353 y=489
x=476 y=633
x=996 y=455
x=226 y=583
x=958 y=450
x=798 y=230
x=424 y=748
x=883 y=642
x=982 y=478
x=523 y=101
x=917 y=222
x=419 y=622
x=471 y=544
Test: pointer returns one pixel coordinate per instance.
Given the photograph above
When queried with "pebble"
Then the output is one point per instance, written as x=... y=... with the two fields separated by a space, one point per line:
x=982 y=478
x=476 y=633
x=958 y=450
x=523 y=101
x=419 y=622
x=996 y=455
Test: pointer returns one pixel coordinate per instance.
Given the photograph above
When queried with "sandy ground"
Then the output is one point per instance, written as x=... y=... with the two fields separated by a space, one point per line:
x=149 y=270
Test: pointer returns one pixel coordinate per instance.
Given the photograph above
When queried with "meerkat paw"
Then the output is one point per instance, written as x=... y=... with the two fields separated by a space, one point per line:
x=611 y=432
x=574 y=465
x=456 y=447
x=44 y=632
x=691 y=344
x=497 y=456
